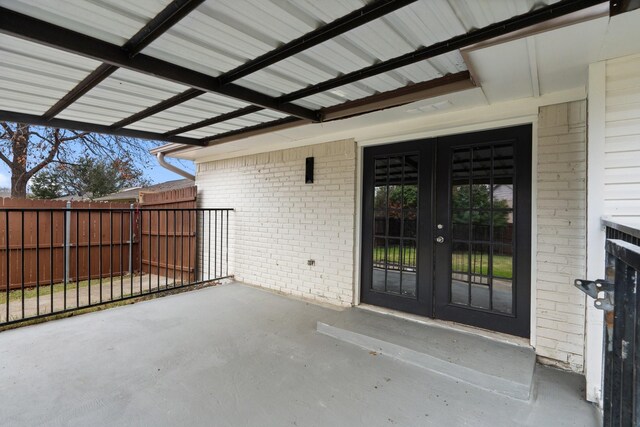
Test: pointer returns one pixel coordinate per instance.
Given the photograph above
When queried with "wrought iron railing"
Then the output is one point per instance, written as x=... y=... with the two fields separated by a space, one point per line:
x=618 y=296
x=60 y=260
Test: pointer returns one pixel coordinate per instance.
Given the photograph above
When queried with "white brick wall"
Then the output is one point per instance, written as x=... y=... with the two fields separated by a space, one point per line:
x=280 y=222
x=561 y=215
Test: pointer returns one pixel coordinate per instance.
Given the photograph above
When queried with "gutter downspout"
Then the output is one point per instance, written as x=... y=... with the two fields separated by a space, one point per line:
x=164 y=164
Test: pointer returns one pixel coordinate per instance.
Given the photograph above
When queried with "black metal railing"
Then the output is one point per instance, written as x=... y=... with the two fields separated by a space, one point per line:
x=618 y=296
x=621 y=392
x=59 y=260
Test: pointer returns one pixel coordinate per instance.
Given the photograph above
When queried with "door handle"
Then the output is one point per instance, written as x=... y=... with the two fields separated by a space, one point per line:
x=440 y=239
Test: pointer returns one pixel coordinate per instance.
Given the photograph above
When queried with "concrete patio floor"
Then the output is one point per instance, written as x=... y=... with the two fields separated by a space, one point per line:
x=234 y=355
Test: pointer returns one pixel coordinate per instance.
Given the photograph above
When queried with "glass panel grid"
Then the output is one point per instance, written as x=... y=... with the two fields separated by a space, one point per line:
x=395 y=225
x=482 y=227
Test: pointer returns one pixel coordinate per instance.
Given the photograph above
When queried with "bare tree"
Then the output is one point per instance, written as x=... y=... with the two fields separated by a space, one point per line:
x=28 y=149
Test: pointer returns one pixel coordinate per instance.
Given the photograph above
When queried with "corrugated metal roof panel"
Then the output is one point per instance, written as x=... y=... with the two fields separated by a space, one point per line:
x=223 y=34
x=407 y=29
x=114 y=21
x=122 y=94
x=195 y=111
x=402 y=31
x=235 y=124
x=439 y=66
x=157 y=124
x=33 y=77
x=480 y=13
x=203 y=107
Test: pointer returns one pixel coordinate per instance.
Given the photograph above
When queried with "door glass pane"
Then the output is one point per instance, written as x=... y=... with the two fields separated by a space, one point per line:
x=503 y=193
x=410 y=224
x=482 y=223
x=503 y=295
x=396 y=225
x=503 y=226
x=480 y=195
x=461 y=166
x=411 y=169
x=395 y=169
x=409 y=268
x=380 y=171
x=460 y=196
x=460 y=273
x=480 y=295
x=394 y=266
x=481 y=162
x=503 y=160
x=503 y=261
x=394 y=208
x=480 y=271
x=379 y=264
x=460 y=225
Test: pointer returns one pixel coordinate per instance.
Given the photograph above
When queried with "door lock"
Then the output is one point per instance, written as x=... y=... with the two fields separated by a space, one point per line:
x=440 y=239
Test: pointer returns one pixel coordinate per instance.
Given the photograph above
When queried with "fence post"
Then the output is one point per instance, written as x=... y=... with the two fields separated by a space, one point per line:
x=67 y=240
x=131 y=239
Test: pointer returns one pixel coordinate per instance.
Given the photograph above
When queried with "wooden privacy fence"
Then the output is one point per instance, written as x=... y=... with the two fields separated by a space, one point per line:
x=48 y=241
x=42 y=242
x=169 y=236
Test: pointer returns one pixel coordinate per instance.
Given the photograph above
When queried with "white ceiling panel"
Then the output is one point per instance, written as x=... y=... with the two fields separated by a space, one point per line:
x=563 y=61
x=504 y=71
x=555 y=60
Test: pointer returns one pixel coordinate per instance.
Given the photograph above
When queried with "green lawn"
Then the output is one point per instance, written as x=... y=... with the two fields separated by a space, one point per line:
x=394 y=255
x=502 y=264
x=16 y=294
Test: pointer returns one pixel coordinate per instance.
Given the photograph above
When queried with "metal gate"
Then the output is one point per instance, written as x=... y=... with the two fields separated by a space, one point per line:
x=618 y=297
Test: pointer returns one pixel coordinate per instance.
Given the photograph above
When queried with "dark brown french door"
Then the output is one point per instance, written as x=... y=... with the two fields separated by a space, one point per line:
x=446 y=228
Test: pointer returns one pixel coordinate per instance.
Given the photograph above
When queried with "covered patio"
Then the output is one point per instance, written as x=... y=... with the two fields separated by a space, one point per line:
x=236 y=355
x=451 y=160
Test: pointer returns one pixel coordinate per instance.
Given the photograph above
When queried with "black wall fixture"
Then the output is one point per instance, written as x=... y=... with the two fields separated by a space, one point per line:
x=308 y=174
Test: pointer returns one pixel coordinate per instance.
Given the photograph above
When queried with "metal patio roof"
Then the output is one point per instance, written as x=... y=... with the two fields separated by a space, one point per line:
x=196 y=72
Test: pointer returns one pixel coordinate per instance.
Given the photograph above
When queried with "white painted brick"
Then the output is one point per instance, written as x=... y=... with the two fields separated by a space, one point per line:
x=561 y=217
x=280 y=222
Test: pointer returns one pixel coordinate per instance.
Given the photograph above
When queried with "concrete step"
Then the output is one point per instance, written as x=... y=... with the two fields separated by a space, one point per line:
x=491 y=365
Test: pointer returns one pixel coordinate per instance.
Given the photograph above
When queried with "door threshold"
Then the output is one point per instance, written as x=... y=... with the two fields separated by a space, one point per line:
x=445 y=324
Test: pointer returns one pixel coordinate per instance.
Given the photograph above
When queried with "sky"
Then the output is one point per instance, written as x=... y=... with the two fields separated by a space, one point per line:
x=154 y=172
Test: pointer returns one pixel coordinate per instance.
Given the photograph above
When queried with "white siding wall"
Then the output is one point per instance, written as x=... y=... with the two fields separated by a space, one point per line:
x=561 y=249
x=622 y=138
x=280 y=222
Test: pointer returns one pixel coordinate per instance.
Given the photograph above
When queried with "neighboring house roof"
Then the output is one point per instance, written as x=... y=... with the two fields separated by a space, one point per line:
x=133 y=194
x=74 y=197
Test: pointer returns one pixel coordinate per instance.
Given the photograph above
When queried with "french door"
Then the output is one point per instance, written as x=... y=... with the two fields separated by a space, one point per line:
x=446 y=228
